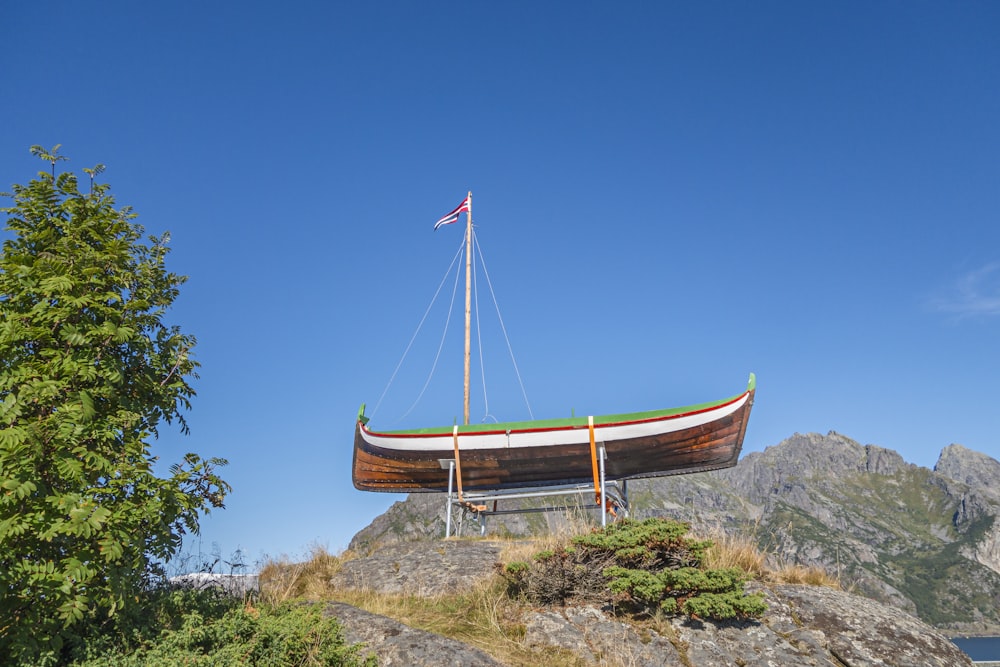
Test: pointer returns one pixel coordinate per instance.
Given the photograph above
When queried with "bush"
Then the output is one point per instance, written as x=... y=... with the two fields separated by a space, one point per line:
x=207 y=629
x=157 y=611
x=647 y=567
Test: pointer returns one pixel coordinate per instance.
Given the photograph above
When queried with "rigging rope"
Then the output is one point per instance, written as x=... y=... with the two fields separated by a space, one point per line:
x=482 y=261
x=479 y=336
x=444 y=334
x=496 y=305
x=461 y=248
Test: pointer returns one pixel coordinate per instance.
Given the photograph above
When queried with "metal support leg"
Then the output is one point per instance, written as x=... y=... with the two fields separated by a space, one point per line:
x=624 y=487
x=604 y=497
x=616 y=491
x=451 y=479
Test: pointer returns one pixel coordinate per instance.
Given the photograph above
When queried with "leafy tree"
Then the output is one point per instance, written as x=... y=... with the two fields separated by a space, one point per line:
x=88 y=374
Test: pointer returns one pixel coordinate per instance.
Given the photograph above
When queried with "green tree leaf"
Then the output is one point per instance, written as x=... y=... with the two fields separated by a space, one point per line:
x=89 y=371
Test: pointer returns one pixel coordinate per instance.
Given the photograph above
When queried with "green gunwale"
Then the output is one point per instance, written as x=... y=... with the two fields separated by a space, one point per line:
x=540 y=424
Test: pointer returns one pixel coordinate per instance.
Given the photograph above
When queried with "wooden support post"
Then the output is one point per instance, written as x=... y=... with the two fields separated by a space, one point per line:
x=458 y=464
x=598 y=496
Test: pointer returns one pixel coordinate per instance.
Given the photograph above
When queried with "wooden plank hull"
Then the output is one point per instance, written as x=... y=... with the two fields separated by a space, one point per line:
x=529 y=454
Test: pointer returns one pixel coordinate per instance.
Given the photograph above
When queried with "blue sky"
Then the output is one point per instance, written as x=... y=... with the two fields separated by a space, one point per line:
x=668 y=196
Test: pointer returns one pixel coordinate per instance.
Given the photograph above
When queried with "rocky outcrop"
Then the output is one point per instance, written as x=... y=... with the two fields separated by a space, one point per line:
x=420 y=516
x=597 y=638
x=972 y=468
x=420 y=568
x=804 y=625
x=927 y=541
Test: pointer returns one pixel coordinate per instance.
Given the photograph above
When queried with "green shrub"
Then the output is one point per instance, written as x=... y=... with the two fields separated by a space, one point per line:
x=283 y=636
x=517 y=567
x=158 y=610
x=650 y=544
x=646 y=567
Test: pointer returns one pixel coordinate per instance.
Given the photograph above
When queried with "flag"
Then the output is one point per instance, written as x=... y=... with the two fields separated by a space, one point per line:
x=453 y=216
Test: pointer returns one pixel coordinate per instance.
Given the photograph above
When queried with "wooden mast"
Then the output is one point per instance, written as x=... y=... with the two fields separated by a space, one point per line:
x=468 y=301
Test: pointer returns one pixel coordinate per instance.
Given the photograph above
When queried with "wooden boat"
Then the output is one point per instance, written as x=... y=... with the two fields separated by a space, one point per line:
x=514 y=455
x=547 y=452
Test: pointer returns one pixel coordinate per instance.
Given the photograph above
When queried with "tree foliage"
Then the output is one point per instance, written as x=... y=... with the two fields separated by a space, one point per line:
x=88 y=374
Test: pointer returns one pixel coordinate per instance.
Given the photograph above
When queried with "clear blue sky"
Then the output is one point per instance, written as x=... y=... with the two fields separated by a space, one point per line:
x=668 y=195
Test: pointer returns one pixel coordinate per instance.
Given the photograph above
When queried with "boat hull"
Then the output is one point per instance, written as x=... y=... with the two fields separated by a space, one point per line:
x=680 y=441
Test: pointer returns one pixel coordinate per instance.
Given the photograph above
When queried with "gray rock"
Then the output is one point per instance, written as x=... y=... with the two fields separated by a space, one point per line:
x=421 y=568
x=598 y=639
x=861 y=632
x=420 y=516
x=969 y=467
x=804 y=626
x=397 y=645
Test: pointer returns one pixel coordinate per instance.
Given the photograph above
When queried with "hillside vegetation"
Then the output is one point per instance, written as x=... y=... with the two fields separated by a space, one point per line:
x=647 y=570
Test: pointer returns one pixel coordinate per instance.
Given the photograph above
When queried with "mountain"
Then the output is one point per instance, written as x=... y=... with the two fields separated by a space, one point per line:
x=926 y=541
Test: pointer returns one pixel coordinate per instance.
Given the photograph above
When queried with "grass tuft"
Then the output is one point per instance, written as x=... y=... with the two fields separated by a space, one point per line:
x=736 y=551
x=282 y=580
x=802 y=574
x=740 y=551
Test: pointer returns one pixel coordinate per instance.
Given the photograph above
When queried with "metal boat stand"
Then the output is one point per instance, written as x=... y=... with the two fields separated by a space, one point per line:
x=612 y=496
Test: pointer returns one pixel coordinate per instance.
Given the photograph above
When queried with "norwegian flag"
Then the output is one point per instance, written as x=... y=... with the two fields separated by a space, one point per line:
x=453 y=216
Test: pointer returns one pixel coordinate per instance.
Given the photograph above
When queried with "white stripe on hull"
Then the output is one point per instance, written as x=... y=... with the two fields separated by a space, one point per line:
x=444 y=442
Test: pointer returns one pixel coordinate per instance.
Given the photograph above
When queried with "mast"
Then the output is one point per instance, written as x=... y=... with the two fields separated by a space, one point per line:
x=468 y=301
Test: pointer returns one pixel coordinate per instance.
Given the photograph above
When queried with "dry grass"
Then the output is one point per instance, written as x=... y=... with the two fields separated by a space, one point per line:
x=800 y=574
x=283 y=579
x=524 y=549
x=741 y=552
x=736 y=551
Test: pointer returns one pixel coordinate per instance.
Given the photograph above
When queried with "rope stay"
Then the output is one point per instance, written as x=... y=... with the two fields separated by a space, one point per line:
x=459 y=255
x=479 y=335
x=444 y=335
x=461 y=248
x=503 y=328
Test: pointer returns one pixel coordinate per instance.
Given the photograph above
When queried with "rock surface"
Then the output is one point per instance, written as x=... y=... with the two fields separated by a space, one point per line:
x=926 y=541
x=599 y=639
x=804 y=625
x=421 y=568
x=973 y=468
x=396 y=645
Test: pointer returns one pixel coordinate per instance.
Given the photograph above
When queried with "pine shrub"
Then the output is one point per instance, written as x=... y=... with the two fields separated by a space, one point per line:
x=646 y=567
